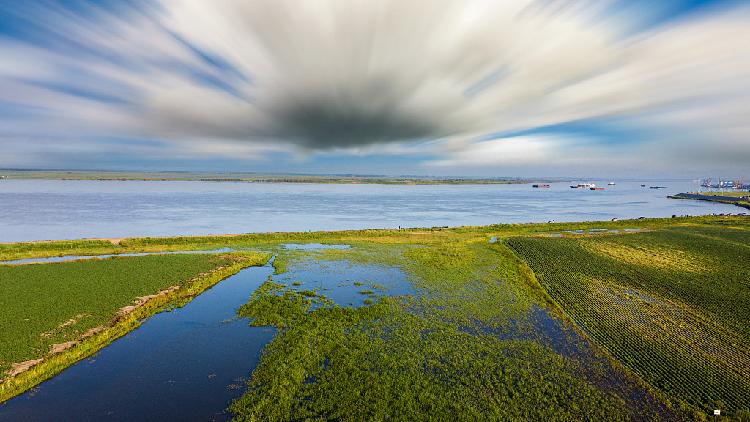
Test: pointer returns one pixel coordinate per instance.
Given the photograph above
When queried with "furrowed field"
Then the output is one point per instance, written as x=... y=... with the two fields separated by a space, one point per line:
x=672 y=304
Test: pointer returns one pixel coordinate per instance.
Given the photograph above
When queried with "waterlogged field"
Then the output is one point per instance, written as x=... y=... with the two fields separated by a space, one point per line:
x=673 y=305
x=630 y=320
x=471 y=338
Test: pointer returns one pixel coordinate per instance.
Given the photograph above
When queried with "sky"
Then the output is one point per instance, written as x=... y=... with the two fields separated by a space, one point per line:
x=418 y=87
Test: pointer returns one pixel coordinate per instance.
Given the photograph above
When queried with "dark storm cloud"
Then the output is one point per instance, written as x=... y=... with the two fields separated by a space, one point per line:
x=325 y=124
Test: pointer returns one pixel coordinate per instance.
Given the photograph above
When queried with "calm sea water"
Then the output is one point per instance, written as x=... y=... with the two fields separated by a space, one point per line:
x=62 y=209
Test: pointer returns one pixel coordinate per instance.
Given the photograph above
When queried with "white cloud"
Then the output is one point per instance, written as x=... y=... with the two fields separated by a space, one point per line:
x=383 y=77
x=516 y=151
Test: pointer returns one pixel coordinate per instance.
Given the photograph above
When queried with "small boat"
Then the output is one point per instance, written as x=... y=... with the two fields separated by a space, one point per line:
x=583 y=186
x=658 y=187
x=643 y=186
x=540 y=186
x=595 y=188
x=611 y=183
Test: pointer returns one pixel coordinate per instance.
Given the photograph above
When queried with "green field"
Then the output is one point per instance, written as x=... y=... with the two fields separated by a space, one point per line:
x=635 y=320
x=673 y=305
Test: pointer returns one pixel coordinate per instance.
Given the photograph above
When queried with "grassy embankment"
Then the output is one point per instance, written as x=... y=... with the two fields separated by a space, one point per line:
x=9 y=251
x=56 y=314
x=471 y=343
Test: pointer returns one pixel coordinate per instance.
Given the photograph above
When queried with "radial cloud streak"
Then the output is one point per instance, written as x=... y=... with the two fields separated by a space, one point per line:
x=456 y=84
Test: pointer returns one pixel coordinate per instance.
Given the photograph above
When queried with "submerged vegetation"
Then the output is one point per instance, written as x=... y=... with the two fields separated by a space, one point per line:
x=627 y=320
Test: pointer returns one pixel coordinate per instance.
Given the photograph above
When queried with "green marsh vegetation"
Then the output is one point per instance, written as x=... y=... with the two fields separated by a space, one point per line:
x=55 y=314
x=465 y=346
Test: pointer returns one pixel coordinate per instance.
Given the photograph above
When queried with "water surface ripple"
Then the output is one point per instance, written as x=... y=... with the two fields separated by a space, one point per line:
x=70 y=209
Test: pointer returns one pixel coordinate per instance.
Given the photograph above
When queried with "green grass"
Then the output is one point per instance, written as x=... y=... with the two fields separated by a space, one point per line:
x=672 y=304
x=45 y=304
x=10 y=251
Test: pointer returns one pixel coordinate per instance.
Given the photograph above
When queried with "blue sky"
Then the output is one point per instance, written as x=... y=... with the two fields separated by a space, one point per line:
x=445 y=87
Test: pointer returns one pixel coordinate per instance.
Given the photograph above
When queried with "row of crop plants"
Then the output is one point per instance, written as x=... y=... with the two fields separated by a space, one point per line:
x=630 y=310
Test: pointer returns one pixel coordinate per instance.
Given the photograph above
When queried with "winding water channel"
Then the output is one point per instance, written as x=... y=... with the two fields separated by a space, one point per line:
x=186 y=364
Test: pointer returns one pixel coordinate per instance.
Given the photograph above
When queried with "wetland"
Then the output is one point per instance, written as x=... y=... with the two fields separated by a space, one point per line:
x=559 y=321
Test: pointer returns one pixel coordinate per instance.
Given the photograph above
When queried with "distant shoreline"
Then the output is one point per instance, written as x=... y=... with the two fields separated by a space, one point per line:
x=739 y=199
x=255 y=178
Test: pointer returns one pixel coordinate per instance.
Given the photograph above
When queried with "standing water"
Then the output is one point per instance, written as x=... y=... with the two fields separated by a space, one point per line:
x=187 y=364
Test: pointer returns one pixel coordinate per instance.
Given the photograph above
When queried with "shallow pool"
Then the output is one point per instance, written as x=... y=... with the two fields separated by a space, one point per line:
x=344 y=282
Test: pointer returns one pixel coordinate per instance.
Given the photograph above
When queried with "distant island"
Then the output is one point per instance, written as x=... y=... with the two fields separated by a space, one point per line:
x=255 y=177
